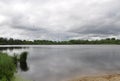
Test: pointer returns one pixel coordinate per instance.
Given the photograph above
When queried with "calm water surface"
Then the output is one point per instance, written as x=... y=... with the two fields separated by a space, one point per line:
x=60 y=62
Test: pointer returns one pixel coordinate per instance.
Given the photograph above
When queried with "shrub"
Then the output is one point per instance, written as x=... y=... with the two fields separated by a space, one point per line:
x=23 y=57
x=7 y=67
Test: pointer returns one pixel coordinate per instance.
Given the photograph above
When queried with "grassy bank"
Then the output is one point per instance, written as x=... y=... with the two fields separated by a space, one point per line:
x=8 y=66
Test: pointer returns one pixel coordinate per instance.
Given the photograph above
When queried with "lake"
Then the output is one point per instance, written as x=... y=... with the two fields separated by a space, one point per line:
x=60 y=62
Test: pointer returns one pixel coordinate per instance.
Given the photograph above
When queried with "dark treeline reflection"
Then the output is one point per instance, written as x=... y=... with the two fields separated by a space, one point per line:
x=11 y=48
x=24 y=66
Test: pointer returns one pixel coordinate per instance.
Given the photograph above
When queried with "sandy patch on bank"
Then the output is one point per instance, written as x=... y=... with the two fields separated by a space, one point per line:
x=113 y=77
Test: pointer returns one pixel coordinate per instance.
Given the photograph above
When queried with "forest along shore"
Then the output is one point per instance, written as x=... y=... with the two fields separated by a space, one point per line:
x=11 y=41
x=112 y=77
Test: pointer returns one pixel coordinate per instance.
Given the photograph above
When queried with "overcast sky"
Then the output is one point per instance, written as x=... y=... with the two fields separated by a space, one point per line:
x=59 y=19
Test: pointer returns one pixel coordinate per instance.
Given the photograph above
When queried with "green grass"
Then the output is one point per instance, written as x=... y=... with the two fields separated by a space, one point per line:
x=7 y=67
x=18 y=78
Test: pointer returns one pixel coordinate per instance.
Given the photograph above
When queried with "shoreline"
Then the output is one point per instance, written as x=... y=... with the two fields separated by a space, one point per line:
x=104 y=77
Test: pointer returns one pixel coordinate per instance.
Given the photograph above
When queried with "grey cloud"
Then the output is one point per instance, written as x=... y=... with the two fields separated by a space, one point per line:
x=59 y=19
x=106 y=25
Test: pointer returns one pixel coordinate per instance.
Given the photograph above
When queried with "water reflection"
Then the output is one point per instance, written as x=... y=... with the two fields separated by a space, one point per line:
x=11 y=48
x=23 y=61
x=24 y=66
x=56 y=63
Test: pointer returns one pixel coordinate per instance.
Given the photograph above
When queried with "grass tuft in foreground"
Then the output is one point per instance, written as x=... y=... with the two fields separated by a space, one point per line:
x=8 y=65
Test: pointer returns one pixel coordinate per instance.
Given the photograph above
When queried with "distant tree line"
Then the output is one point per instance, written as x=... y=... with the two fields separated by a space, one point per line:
x=11 y=41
